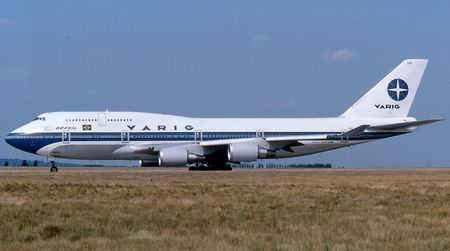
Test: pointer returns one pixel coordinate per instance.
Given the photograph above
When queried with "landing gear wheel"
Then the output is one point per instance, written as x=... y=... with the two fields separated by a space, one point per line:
x=198 y=167
x=53 y=168
x=221 y=167
x=211 y=167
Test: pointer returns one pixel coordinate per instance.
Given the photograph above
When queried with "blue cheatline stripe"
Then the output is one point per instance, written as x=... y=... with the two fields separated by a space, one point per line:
x=35 y=141
x=155 y=136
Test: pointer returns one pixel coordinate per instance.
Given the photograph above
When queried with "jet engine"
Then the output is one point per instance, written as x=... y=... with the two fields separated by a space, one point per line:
x=177 y=157
x=244 y=152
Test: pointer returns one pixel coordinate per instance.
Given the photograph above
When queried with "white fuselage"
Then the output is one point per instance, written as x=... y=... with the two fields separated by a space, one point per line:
x=106 y=135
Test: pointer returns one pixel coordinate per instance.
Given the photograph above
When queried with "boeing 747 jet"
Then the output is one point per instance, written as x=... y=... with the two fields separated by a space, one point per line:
x=213 y=143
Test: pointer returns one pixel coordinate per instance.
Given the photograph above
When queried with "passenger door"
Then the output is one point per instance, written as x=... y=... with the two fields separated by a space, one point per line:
x=260 y=134
x=125 y=136
x=65 y=137
x=344 y=139
x=102 y=119
x=198 y=135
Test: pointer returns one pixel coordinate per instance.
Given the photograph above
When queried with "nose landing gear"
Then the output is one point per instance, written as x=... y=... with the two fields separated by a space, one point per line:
x=53 y=167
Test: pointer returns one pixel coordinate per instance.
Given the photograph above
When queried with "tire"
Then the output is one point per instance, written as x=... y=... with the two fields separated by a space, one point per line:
x=212 y=167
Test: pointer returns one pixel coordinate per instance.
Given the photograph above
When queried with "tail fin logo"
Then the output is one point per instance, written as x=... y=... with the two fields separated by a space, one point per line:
x=397 y=89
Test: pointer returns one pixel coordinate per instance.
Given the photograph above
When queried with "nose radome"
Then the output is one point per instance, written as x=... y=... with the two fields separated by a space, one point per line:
x=11 y=140
x=8 y=139
x=24 y=144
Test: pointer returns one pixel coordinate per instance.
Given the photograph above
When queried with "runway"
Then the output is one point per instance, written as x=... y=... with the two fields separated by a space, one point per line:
x=283 y=209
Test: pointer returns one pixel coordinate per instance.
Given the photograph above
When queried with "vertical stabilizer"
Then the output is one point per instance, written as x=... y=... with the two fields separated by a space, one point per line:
x=393 y=96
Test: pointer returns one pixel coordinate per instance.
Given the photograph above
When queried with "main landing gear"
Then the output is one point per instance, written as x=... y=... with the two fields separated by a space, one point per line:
x=210 y=167
x=53 y=167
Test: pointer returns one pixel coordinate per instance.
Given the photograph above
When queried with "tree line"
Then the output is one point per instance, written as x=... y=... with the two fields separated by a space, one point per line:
x=278 y=165
x=24 y=163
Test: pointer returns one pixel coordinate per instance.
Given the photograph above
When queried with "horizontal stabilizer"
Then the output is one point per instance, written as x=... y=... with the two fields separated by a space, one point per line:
x=405 y=125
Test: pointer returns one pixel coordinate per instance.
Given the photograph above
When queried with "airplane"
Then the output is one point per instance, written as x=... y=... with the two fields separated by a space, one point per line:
x=214 y=143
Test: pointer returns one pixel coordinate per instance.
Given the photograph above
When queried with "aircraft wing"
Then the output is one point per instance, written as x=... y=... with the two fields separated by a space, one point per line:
x=268 y=139
x=285 y=142
x=281 y=140
x=141 y=149
x=222 y=142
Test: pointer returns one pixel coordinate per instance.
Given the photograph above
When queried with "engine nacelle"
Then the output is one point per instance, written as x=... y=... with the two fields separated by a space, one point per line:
x=245 y=152
x=148 y=163
x=177 y=157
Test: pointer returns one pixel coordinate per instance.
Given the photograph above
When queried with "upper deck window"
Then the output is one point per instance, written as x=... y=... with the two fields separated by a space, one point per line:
x=118 y=120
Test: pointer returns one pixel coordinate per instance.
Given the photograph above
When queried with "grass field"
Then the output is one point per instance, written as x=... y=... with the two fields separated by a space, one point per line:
x=173 y=209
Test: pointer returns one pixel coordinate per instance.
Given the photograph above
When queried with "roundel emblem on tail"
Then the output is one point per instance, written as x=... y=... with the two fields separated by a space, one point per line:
x=397 y=89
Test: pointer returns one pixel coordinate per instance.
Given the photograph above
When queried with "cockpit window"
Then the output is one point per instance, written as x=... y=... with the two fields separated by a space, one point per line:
x=39 y=118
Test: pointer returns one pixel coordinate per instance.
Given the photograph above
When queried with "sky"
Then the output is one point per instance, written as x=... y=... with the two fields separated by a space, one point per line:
x=227 y=59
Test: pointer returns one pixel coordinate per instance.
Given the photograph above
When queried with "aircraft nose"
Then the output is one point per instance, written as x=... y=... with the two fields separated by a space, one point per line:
x=24 y=142
x=19 y=142
x=10 y=140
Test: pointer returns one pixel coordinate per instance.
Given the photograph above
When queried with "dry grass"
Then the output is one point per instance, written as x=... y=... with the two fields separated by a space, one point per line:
x=173 y=209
